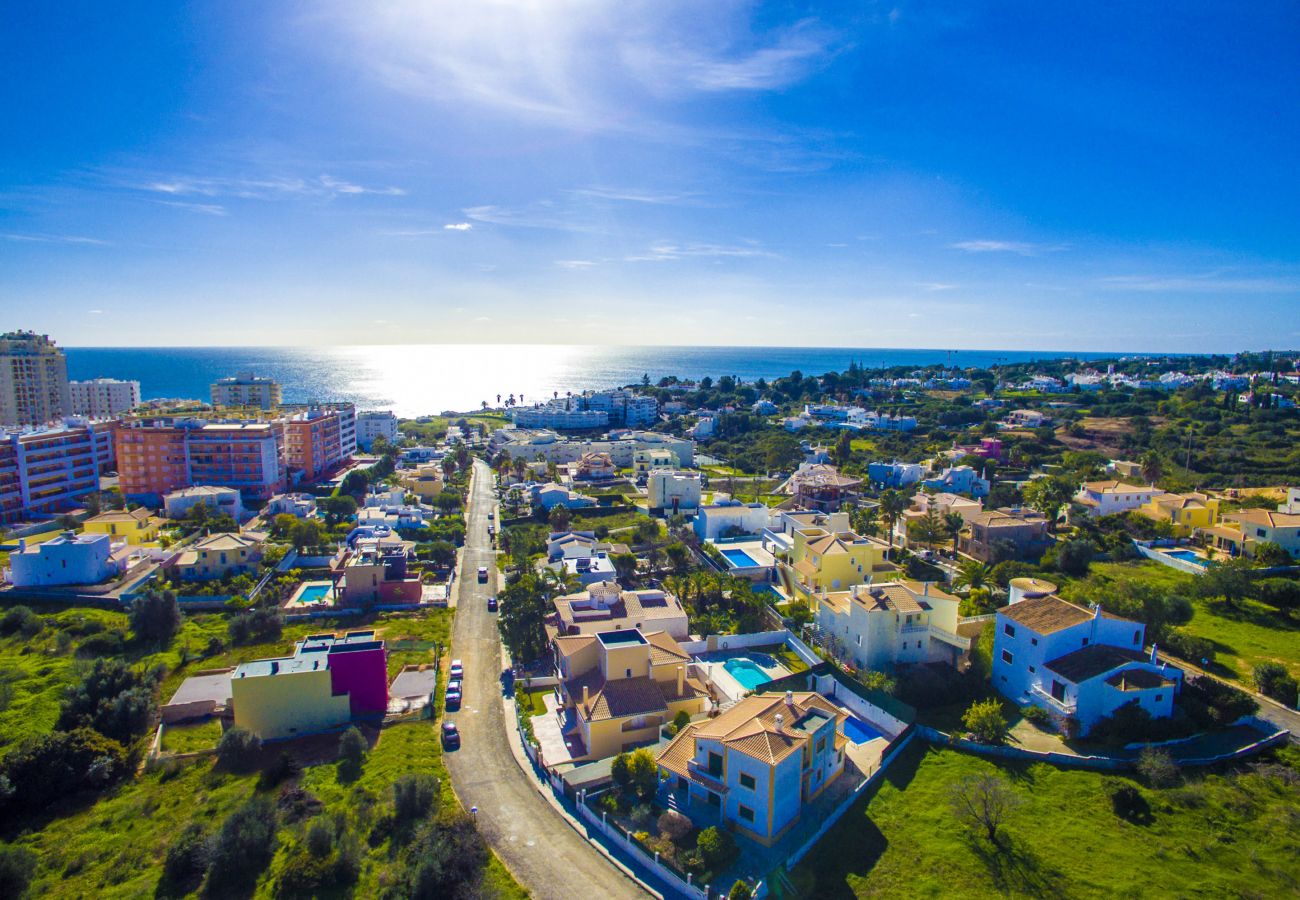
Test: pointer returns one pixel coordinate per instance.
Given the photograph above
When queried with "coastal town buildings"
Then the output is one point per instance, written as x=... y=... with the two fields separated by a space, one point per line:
x=672 y=491
x=606 y=606
x=621 y=446
x=821 y=486
x=161 y=456
x=375 y=423
x=1106 y=498
x=246 y=390
x=759 y=763
x=319 y=440
x=70 y=558
x=618 y=688
x=177 y=504
x=49 y=470
x=328 y=682
x=33 y=380
x=995 y=535
x=725 y=517
x=883 y=625
x=218 y=555
x=135 y=526
x=1078 y=664
x=101 y=398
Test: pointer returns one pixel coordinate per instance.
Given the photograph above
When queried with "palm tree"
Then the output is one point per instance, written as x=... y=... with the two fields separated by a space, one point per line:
x=892 y=506
x=656 y=559
x=954 y=523
x=1152 y=466
x=972 y=574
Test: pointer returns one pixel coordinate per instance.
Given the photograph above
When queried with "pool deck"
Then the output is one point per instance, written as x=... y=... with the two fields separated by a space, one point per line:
x=323 y=602
x=727 y=683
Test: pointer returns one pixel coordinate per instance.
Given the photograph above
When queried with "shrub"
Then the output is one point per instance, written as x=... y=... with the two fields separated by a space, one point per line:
x=740 y=891
x=1213 y=704
x=17 y=866
x=1037 y=715
x=186 y=860
x=1269 y=554
x=61 y=763
x=255 y=626
x=984 y=719
x=674 y=826
x=239 y=749
x=1158 y=768
x=320 y=837
x=1128 y=803
x=112 y=699
x=1284 y=593
x=243 y=848
x=1273 y=680
x=352 y=750
x=682 y=719
x=21 y=618
x=284 y=767
x=1189 y=647
x=414 y=796
x=155 y=617
x=444 y=860
x=716 y=847
x=642 y=815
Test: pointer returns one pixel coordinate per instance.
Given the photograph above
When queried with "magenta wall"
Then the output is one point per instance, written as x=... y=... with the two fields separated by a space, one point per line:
x=363 y=674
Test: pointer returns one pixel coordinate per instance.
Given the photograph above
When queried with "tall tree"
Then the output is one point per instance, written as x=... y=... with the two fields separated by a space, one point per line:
x=892 y=506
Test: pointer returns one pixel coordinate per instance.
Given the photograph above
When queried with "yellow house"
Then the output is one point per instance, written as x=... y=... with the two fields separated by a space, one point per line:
x=618 y=688
x=1185 y=512
x=833 y=561
x=138 y=526
x=425 y=481
x=218 y=556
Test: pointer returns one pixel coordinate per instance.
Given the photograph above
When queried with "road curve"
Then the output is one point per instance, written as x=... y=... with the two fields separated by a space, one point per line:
x=538 y=846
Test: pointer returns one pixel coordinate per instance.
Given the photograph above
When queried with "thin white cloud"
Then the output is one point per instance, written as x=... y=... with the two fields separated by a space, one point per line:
x=1208 y=282
x=935 y=286
x=457 y=226
x=54 y=239
x=574 y=263
x=1021 y=248
x=210 y=209
x=266 y=188
x=630 y=196
x=666 y=252
x=96 y=312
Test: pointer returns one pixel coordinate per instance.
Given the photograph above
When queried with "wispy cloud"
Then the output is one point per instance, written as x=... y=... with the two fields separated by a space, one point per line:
x=935 y=286
x=665 y=252
x=54 y=239
x=457 y=226
x=1021 y=248
x=543 y=214
x=210 y=209
x=631 y=196
x=575 y=263
x=264 y=188
x=1218 y=282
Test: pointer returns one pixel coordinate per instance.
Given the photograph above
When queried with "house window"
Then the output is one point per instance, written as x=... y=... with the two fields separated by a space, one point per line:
x=1033 y=642
x=629 y=672
x=715 y=763
x=747 y=781
x=1032 y=669
x=1006 y=657
x=1159 y=697
x=1085 y=642
x=1009 y=630
x=715 y=799
x=1058 y=690
x=1137 y=637
x=746 y=813
x=821 y=743
x=859 y=640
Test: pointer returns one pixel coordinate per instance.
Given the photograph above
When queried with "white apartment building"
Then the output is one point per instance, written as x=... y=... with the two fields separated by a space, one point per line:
x=70 y=558
x=375 y=423
x=621 y=446
x=178 y=504
x=100 y=398
x=726 y=516
x=1076 y=663
x=558 y=416
x=33 y=380
x=880 y=626
x=673 y=491
x=246 y=389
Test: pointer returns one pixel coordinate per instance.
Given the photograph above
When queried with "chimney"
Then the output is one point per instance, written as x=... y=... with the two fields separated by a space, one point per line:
x=789 y=698
x=925 y=589
x=681 y=680
x=1155 y=659
x=586 y=697
x=780 y=722
x=22 y=544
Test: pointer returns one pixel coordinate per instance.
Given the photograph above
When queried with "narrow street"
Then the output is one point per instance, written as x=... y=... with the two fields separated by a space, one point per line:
x=545 y=854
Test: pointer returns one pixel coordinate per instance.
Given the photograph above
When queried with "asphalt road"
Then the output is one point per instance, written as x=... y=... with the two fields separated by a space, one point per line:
x=542 y=850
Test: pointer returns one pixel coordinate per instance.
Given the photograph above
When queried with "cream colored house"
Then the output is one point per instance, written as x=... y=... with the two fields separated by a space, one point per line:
x=618 y=688
x=823 y=561
x=604 y=606
x=879 y=626
x=218 y=556
x=138 y=526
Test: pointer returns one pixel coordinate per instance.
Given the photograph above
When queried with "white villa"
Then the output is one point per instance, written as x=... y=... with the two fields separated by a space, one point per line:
x=1106 y=498
x=727 y=516
x=673 y=491
x=880 y=626
x=69 y=558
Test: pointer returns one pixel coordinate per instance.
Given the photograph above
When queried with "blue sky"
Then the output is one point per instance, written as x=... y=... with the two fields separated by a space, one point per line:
x=1099 y=176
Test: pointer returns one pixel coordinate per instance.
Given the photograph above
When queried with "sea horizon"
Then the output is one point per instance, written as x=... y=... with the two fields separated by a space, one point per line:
x=422 y=379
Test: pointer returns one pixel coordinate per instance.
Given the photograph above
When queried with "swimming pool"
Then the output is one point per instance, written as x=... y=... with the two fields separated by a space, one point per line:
x=739 y=559
x=1188 y=556
x=315 y=592
x=859 y=732
x=749 y=673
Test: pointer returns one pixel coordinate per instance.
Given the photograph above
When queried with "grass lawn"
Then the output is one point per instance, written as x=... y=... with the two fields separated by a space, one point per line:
x=535 y=698
x=579 y=522
x=1218 y=835
x=1243 y=637
x=114 y=847
x=189 y=737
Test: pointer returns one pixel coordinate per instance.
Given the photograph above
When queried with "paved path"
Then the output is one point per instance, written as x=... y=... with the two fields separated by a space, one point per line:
x=1269 y=709
x=534 y=841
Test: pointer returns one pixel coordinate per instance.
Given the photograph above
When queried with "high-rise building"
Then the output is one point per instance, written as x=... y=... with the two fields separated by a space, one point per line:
x=373 y=424
x=246 y=389
x=158 y=457
x=45 y=471
x=319 y=439
x=100 y=398
x=33 y=379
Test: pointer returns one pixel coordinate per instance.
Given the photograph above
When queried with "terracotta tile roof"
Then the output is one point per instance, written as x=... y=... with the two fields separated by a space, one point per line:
x=140 y=514
x=663 y=649
x=1046 y=615
x=225 y=541
x=768 y=745
x=1117 y=487
x=625 y=697
x=1138 y=680
x=1002 y=518
x=1266 y=517
x=680 y=751
x=569 y=644
x=1089 y=662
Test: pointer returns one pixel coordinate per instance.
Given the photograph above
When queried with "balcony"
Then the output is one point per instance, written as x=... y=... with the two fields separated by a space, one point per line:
x=1063 y=707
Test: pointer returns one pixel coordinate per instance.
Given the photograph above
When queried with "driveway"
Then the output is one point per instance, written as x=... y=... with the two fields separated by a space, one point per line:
x=538 y=846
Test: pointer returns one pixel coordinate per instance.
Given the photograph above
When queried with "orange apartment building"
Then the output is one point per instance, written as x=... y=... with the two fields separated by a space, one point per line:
x=155 y=458
x=319 y=440
x=47 y=471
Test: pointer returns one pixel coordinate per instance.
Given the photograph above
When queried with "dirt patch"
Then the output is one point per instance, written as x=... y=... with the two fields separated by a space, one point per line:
x=1104 y=435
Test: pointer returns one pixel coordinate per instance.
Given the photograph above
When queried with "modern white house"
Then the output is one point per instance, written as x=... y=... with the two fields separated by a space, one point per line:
x=758 y=764
x=725 y=516
x=178 y=504
x=673 y=491
x=301 y=506
x=958 y=480
x=1078 y=664
x=880 y=626
x=70 y=558
x=551 y=495
x=621 y=445
x=1106 y=498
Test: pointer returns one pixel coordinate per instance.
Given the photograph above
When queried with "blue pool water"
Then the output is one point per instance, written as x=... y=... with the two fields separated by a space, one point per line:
x=314 y=593
x=739 y=558
x=1187 y=556
x=858 y=731
x=747 y=672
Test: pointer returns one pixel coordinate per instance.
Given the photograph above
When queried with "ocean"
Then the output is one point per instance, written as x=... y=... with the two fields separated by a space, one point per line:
x=416 y=380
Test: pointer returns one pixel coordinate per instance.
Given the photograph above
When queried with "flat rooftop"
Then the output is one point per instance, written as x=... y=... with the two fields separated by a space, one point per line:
x=621 y=638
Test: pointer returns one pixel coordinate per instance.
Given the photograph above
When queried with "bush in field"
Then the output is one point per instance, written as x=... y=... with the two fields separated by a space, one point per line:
x=239 y=749
x=1273 y=680
x=716 y=847
x=984 y=719
x=243 y=848
x=415 y=795
x=674 y=826
x=17 y=866
x=60 y=764
x=186 y=860
x=1158 y=768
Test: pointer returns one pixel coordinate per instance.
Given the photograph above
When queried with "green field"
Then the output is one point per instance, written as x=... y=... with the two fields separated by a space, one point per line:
x=1230 y=835
x=114 y=847
x=189 y=737
x=1243 y=637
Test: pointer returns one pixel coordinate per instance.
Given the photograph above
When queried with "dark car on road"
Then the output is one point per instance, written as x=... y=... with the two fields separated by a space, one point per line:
x=453 y=694
x=450 y=734
x=492 y=604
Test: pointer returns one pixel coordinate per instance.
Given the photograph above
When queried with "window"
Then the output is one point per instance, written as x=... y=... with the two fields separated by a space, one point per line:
x=1009 y=630
x=746 y=813
x=1006 y=657
x=1058 y=690
x=1159 y=697
x=1032 y=669
x=714 y=799
x=859 y=640
x=1137 y=637
x=715 y=763
x=747 y=781
x=821 y=743
x=629 y=672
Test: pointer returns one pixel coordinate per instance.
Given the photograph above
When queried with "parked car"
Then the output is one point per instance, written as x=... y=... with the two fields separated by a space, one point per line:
x=450 y=734
x=491 y=515
x=453 y=693
x=492 y=604
x=457 y=670
x=482 y=573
